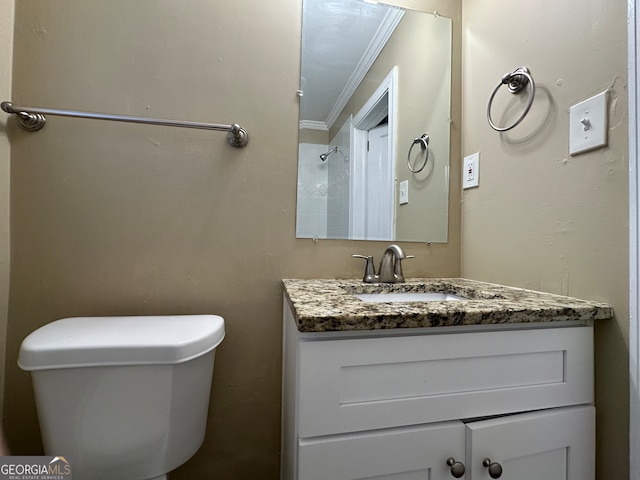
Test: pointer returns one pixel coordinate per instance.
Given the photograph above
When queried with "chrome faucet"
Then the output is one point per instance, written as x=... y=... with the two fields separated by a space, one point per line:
x=390 y=270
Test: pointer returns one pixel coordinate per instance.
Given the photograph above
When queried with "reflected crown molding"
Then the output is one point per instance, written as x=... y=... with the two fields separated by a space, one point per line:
x=386 y=29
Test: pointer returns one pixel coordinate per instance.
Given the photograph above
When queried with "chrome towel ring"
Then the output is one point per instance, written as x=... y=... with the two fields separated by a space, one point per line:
x=516 y=81
x=423 y=140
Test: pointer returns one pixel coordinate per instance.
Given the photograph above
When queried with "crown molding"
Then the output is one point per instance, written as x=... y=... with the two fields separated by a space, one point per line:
x=386 y=29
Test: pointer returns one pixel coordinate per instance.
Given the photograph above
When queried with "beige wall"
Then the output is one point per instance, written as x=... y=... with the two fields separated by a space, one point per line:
x=117 y=219
x=127 y=219
x=540 y=218
x=6 y=55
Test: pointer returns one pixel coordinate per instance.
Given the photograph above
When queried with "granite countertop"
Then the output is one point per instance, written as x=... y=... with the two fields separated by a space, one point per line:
x=329 y=305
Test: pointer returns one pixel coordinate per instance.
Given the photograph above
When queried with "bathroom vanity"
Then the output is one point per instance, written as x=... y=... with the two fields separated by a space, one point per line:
x=497 y=385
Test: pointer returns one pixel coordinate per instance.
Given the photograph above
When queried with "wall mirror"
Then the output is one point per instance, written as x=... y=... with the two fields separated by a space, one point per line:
x=374 y=78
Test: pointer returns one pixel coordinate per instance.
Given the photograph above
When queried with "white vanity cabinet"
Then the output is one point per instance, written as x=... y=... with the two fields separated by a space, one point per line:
x=397 y=404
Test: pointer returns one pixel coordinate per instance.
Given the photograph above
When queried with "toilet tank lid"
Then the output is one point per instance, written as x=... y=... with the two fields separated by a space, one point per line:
x=134 y=340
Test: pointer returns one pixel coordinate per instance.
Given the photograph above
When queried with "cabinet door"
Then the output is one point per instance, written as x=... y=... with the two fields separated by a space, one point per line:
x=556 y=444
x=418 y=453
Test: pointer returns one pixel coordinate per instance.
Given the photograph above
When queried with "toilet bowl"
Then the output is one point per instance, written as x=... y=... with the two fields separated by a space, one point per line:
x=123 y=398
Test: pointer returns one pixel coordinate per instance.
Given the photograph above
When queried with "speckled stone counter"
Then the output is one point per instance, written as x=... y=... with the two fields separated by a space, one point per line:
x=329 y=305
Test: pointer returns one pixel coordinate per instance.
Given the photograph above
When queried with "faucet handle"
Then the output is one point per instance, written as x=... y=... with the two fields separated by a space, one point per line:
x=369 y=270
x=398 y=268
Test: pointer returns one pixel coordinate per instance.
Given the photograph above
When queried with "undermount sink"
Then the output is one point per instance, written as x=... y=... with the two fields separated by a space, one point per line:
x=392 y=297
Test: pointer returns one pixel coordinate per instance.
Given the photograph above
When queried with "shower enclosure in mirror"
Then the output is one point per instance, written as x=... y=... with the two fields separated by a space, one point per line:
x=374 y=78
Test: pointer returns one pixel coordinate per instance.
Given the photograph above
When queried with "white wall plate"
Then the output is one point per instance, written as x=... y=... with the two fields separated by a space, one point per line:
x=588 y=124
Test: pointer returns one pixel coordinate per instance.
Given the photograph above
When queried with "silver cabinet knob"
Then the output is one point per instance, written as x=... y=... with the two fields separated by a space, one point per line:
x=457 y=468
x=495 y=469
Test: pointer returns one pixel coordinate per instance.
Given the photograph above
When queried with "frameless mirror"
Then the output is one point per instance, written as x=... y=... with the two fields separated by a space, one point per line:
x=374 y=79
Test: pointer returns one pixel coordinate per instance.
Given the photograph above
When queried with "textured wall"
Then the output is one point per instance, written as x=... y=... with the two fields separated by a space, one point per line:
x=542 y=219
x=125 y=219
x=113 y=219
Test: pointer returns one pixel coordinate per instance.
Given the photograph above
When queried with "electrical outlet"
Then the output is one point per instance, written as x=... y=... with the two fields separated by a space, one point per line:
x=404 y=192
x=471 y=171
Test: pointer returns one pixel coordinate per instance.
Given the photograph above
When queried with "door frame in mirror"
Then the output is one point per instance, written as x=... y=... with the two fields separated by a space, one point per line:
x=360 y=124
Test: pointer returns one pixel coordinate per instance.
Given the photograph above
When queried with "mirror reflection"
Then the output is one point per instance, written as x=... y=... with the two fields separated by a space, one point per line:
x=374 y=79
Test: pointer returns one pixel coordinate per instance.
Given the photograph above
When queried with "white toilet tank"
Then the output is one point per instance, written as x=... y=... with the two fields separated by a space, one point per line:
x=123 y=398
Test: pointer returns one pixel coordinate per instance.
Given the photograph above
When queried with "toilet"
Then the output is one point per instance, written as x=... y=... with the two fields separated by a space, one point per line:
x=123 y=398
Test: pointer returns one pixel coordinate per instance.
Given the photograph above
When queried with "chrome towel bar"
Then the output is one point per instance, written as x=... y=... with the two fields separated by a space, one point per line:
x=33 y=119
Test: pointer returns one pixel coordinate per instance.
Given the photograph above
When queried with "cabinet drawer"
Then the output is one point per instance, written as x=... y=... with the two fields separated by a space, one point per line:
x=370 y=383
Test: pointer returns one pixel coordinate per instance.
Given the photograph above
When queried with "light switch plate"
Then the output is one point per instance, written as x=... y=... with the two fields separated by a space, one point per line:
x=588 y=124
x=471 y=171
x=404 y=192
